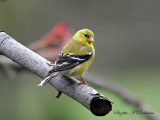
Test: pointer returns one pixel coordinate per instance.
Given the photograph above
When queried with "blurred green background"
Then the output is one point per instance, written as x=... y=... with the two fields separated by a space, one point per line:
x=127 y=34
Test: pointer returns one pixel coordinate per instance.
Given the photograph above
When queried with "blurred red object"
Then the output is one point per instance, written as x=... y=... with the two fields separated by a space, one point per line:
x=51 y=44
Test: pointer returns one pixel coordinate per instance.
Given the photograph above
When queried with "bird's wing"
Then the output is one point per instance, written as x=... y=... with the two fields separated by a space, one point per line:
x=65 y=62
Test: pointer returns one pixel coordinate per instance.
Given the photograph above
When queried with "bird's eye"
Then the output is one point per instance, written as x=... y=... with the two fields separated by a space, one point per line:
x=86 y=35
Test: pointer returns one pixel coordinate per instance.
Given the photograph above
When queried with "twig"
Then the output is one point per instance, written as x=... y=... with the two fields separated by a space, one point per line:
x=58 y=94
x=6 y=61
x=117 y=89
x=95 y=102
x=7 y=70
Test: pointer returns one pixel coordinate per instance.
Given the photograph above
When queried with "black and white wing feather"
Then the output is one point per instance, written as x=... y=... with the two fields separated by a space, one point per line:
x=65 y=62
x=68 y=61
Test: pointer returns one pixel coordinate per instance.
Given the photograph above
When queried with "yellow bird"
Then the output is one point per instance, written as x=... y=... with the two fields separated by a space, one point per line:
x=75 y=58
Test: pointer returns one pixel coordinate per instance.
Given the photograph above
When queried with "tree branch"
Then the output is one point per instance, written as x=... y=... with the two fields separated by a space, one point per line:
x=95 y=102
x=117 y=89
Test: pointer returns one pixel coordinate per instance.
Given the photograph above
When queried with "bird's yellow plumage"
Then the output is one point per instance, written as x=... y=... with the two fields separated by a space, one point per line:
x=80 y=45
x=76 y=56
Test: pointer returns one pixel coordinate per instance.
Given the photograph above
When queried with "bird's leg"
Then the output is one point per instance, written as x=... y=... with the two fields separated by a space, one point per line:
x=84 y=82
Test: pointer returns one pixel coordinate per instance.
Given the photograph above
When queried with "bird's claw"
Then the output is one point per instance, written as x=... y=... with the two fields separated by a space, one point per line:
x=83 y=83
x=50 y=64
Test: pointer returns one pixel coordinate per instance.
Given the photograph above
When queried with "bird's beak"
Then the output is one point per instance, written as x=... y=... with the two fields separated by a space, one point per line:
x=91 y=39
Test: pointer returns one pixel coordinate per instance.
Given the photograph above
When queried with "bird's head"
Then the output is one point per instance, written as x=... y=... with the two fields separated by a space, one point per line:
x=85 y=36
x=61 y=32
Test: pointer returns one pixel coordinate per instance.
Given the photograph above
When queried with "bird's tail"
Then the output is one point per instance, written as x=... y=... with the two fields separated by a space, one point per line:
x=48 y=78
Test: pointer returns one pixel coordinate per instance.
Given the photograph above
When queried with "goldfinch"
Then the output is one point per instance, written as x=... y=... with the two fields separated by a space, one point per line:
x=75 y=58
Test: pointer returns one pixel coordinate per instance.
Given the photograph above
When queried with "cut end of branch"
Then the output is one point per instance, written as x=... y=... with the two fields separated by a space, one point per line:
x=1 y=31
x=100 y=105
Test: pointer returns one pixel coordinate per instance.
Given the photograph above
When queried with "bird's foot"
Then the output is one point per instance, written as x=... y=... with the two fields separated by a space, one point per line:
x=50 y=64
x=83 y=83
